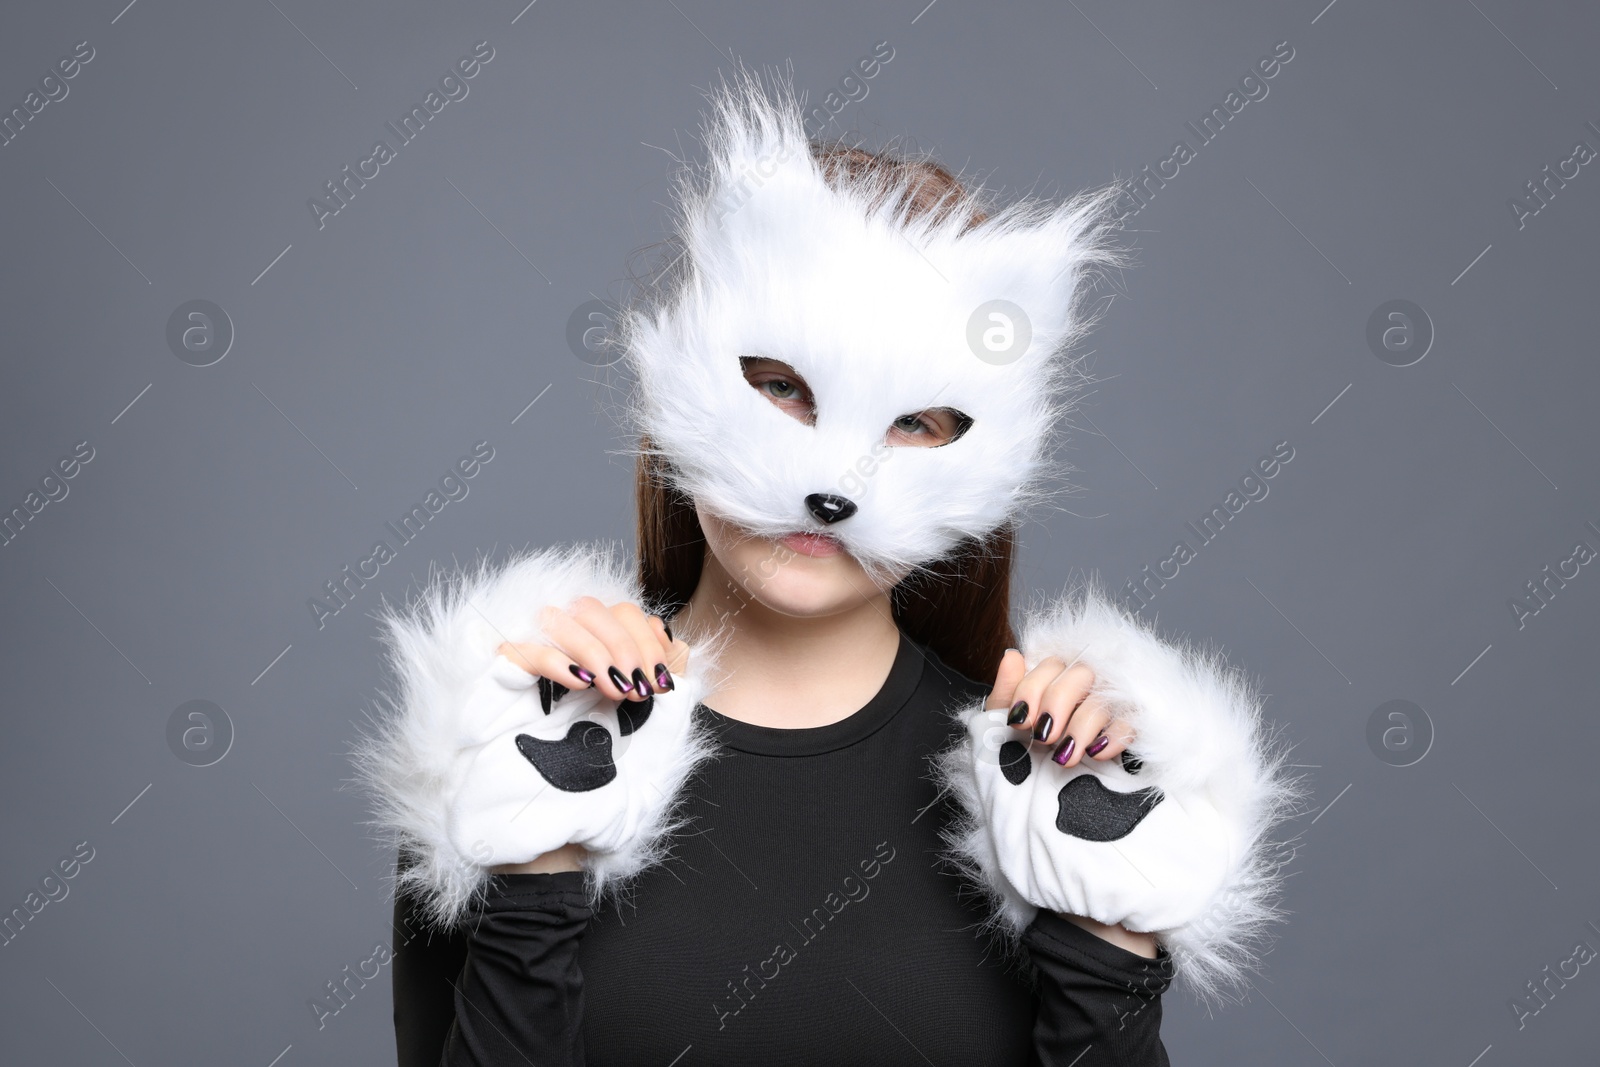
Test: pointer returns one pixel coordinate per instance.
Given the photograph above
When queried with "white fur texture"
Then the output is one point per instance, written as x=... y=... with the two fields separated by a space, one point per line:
x=1199 y=871
x=442 y=761
x=874 y=315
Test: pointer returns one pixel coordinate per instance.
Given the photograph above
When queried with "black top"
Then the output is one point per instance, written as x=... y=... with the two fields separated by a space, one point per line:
x=804 y=918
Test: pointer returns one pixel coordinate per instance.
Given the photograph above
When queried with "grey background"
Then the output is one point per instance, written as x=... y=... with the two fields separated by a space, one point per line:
x=1380 y=566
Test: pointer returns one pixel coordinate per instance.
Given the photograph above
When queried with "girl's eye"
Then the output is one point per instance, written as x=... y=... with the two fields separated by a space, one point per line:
x=929 y=429
x=781 y=384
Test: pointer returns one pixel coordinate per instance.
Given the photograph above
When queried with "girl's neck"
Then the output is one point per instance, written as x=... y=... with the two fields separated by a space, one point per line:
x=785 y=671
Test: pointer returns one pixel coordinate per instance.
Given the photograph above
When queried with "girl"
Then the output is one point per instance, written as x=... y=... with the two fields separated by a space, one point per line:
x=748 y=803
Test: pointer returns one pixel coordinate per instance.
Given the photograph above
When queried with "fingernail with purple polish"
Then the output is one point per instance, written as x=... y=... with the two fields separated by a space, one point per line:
x=1041 y=729
x=619 y=679
x=641 y=683
x=664 y=679
x=1064 y=751
x=1019 y=711
x=586 y=677
x=1099 y=746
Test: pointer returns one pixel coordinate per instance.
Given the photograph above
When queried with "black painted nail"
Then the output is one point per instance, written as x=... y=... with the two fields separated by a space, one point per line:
x=1019 y=711
x=667 y=628
x=641 y=682
x=619 y=679
x=664 y=678
x=586 y=677
x=1100 y=743
x=1064 y=751
x=1041 y=729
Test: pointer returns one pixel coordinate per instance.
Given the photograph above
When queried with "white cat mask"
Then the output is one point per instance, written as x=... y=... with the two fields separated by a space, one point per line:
x=882 y=319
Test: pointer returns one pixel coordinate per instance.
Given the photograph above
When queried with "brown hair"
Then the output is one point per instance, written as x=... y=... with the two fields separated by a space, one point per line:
x=959 y=606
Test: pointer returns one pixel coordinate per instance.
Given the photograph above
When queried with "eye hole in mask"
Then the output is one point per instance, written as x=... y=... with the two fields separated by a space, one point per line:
x=783 y=386
x=933 y=428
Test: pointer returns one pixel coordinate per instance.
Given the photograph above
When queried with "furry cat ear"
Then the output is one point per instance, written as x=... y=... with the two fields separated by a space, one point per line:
x=1025 y=268
x=1044 y=259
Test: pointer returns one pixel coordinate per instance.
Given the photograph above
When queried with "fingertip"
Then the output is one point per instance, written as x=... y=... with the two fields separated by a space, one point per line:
x=1108 y=751
x=1012 y=669
x=505 y=671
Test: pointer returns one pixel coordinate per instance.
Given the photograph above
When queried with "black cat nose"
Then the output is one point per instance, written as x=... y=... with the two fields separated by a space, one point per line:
x=830 y=508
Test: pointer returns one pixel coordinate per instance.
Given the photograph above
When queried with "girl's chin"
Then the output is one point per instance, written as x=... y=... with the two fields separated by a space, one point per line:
x=796 y=598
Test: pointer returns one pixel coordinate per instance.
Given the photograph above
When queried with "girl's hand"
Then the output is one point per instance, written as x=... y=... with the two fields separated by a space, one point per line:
x=1052 y=705
x=619 y=650
x=596 y=640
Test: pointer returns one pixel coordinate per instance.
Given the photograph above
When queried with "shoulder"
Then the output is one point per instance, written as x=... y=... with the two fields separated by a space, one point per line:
x=939 y=675
x=943 y=690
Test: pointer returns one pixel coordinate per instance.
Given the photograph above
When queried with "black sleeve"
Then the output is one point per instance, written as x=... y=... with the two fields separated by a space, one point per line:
x=426 y=963
x=519 y=996
x=1099 y=1004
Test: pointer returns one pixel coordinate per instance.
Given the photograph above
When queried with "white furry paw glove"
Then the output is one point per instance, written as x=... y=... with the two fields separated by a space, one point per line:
x=477 y=763
x=1170 y=840
x=1092 y=840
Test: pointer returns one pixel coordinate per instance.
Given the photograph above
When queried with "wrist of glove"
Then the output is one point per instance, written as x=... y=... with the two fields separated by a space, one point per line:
x=476 y=763
x=1171 y=839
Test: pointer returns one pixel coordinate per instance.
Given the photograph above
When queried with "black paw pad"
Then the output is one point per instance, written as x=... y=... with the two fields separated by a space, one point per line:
x=577 y=763
x=1091 y=811
x=1015 y=762
x=632 y=714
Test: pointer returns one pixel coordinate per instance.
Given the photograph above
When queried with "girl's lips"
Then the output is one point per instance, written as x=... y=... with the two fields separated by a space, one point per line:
x=811 y=544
